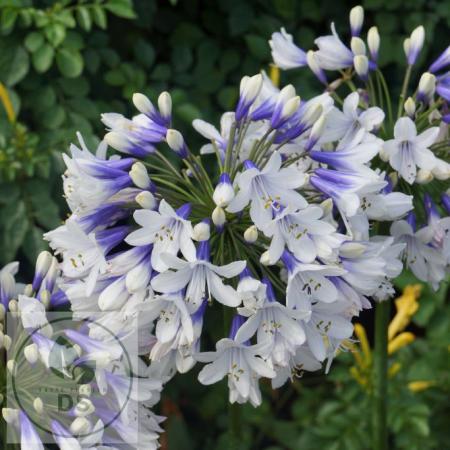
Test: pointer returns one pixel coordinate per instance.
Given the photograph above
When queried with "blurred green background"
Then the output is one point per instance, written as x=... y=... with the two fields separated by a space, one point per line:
x=62 y=63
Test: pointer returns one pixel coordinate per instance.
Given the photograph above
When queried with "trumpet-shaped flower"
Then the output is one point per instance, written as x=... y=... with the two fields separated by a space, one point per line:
x=267 y=189
x=201 y=279
x=408 y=150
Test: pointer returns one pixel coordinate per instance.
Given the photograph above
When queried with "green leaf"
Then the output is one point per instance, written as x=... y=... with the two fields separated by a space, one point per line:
x=285 y=8
x=14 y=61
x=74 y=41
x=181 y=58
x=161 y=72
x=121 y=8
x=258 y=46
x=33 y=41
x=45 y=210
x=65 y=17
x=70 y=62
x=74 y=87
x=43 y=57
x=99 y=16
x=9 y=16
x=144 y=53
x=84 y=18
x=188 y=112
x=9 y=192
x=14 y=227
x=115 y=77
x=34 y=244
x=53 y=118
x=55 y=33
x=240 y=18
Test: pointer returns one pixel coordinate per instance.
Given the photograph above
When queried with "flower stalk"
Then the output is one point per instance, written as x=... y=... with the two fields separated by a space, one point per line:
x=380 y=378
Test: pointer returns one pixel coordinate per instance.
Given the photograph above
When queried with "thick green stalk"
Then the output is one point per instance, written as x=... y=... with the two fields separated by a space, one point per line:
x=380 y=381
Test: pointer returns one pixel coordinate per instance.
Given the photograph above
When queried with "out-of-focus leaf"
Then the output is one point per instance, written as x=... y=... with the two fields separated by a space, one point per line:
x=121 y=8
x=43 y=57
x=70 y=62
x=14 y=61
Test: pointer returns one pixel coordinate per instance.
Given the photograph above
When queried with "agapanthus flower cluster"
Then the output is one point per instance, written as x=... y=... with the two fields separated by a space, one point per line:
x=293 y=217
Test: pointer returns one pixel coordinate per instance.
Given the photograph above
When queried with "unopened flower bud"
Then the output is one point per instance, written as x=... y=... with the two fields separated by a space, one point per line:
x=117 y=141
x=28 y=290
x=201 y=231
x=143 y=104
x=139 y=176
x=248 y=91
x=316 y=132
x=314 y=66
x=80 y=426
x=45 y=298
x=441 y=170
x=265 y=259
x=373 y=42
x=11 y=365
x=290 y=107
x=312 y=114
x=78 y=350
x=410 y=107
x=358 y=47
x=351 y=249
x=176 y=142
x=415 y=44
x=250 y=87
x=85 y=390
x=84 y=408
x=251 y=234
x=165 y=105
x=361 y=64
x=10 y=415
x=423 y=176
x=427 y=86
x=146 y=200
x=43 y=262
x=13 y=306
x=384 y=155
x=394 y=179
x=38 y=405
x=7 y=342
x=31 y=353
x=224 y=192
x=218 y=217
x=356 y=19
x=327 y=206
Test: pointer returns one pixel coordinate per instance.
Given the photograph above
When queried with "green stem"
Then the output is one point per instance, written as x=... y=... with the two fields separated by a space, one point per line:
x=401 y=100
x=380 y=382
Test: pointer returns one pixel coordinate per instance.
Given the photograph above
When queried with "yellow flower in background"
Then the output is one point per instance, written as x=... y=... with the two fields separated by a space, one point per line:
x=407 y=305
x=274 y=75
x=7 y=104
